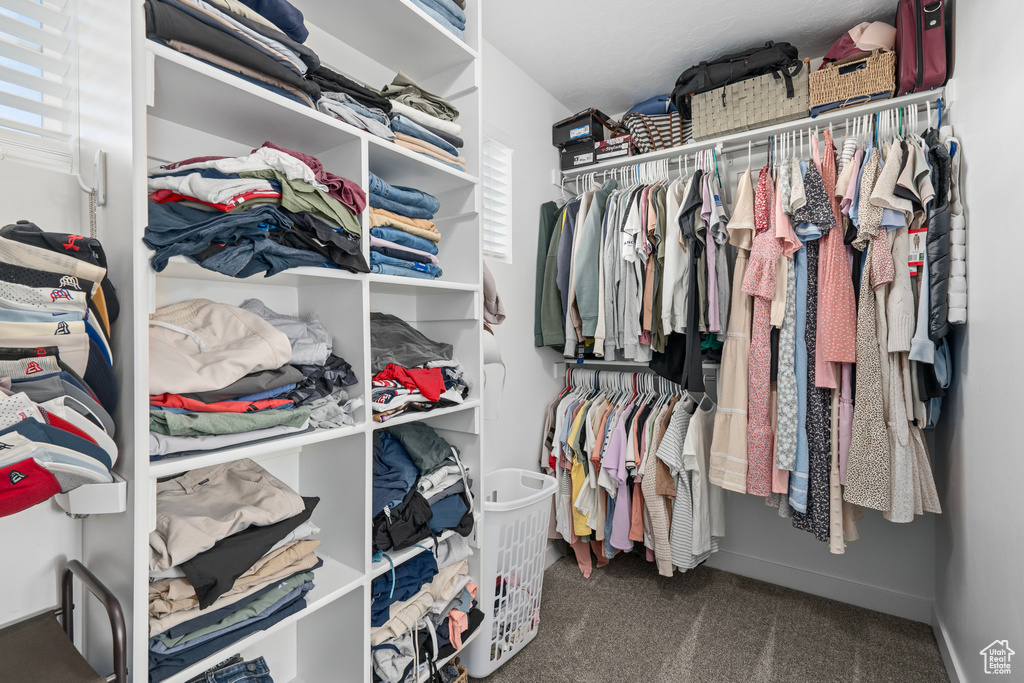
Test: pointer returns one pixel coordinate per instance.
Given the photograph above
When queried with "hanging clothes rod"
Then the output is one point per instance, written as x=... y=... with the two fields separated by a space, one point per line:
x=593 y=378
x=760 y=136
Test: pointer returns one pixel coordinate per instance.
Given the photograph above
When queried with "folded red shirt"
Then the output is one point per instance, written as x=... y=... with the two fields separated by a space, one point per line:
x=178 y=401
x=165 y=196
x=428 y=381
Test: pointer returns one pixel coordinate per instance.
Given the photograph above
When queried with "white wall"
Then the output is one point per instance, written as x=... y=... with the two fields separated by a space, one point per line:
x=519 y=113
x=37 y=541
x=979 y=584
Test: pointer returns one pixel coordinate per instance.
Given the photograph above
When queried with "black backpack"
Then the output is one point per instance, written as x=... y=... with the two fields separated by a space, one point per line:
x=780 y=58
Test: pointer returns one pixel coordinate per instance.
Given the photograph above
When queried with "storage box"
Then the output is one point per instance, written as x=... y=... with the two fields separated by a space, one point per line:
x=577 y=155
x=621 y=146
x=752 y=103
x=852 y=81
x=585 y=126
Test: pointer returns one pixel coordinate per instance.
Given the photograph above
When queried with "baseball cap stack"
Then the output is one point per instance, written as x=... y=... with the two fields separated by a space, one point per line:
x=57 y=385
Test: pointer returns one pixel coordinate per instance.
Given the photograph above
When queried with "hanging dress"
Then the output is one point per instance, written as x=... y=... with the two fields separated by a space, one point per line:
x=786 y=398
x=868 y=465
x=837 y=307
x=759 y=283
x=729 y=445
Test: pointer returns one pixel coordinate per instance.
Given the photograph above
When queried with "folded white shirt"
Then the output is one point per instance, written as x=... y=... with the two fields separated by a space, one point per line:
x=425 y=119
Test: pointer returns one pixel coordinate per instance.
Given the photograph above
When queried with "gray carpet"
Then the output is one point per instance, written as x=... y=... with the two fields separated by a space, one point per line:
x=626 y=624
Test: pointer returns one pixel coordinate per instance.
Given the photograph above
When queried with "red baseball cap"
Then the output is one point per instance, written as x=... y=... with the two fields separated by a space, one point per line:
x=23 y=485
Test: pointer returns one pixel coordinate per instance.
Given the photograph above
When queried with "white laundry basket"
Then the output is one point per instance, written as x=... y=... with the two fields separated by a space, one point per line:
x=517 y=506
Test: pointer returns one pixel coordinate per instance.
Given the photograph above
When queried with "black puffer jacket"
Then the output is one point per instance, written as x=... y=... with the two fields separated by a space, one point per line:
x=938 y=238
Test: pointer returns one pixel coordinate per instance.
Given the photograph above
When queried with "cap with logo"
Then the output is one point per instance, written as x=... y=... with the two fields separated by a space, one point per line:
x=24 y=484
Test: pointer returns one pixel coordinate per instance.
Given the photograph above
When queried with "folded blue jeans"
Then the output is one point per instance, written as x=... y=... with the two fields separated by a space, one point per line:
x=401 y=124
x=236 y=670
x=408 y=196
x=441 y=18
x=455 y=14
x=452 y=13
x=379 y=259
x=404 y=239
x=407 y=210
x=387 y=269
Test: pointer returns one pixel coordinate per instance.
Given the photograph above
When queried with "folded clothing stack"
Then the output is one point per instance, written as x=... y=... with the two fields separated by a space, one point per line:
x=57 y=384
x=421 y=488
x=258 y=40
x=222 y=375
x=354 y=103
x=403 y=238
x=411 y=371
x=449 y=13
x=423 y=611
x=232 y=553
x=266 y=212
x=424 y=122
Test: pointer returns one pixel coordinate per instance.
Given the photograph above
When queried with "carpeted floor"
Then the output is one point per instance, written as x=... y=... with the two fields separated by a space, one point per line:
x=627 y=624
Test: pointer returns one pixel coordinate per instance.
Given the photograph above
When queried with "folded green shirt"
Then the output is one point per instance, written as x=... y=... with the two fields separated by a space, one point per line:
x=205 y=424
x=298 y=195
x=252 y=609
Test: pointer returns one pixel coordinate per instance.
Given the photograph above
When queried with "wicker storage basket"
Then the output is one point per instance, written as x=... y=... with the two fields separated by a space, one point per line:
x=753 y=103
x=463 y=674
x=854 y=80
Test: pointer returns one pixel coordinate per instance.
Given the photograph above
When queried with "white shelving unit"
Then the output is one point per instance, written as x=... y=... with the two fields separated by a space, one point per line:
x=184 y=107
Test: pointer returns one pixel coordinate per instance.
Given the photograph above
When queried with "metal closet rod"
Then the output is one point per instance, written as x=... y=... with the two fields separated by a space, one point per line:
x=761 y=139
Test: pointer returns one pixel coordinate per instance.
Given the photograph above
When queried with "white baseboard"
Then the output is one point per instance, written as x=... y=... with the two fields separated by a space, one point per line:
x=553 y=555
x=949 y=658
x=843 y=590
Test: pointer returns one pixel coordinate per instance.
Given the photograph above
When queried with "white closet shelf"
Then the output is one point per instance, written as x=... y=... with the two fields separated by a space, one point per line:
x=400 y=557
x=332 y=581
x=414 y=43
x=173 y=466
x=192 y=93
x=198 y=95
x=418 y=416
x=836 y=117
x=457 y=218
x=391 y=162
x=185 y=268
x=397 y=284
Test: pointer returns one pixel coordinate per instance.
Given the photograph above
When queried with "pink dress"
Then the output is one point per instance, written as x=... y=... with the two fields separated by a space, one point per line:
x=837 y=307
x=759 y=283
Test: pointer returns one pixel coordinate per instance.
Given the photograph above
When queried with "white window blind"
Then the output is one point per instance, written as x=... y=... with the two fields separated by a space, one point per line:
x=497 y=184
x=37 y=106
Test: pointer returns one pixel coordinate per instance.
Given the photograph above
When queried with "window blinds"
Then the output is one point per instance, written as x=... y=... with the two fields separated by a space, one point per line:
x=36 y=70
x=497 y=200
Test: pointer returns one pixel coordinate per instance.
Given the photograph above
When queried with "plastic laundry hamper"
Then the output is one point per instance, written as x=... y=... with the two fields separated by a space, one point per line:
x=517 y=507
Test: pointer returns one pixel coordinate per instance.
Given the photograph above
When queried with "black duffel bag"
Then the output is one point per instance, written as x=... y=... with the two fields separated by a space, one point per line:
x=773 y=57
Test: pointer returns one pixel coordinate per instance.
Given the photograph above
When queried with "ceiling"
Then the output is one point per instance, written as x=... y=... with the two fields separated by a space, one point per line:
x=612 y=59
